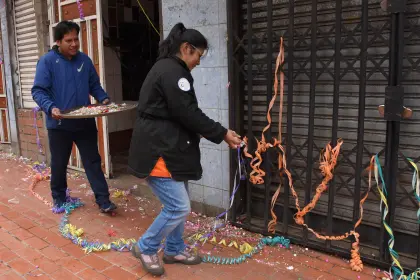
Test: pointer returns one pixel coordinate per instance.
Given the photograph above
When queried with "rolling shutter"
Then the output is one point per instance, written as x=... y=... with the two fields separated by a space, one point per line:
x=27 y=48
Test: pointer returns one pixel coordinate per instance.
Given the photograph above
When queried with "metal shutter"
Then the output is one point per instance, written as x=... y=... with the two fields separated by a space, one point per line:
x=313 y=76
x=27 y=48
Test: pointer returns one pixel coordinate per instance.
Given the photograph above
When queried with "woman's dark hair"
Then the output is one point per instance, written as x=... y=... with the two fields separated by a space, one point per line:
x=178 y=35
x=64 y=28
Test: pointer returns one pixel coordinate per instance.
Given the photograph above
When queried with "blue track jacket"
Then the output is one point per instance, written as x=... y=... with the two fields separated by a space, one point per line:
x=66 y=84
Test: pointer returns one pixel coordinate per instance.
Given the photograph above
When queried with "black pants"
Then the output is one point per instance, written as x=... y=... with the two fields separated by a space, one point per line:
x=61 y=143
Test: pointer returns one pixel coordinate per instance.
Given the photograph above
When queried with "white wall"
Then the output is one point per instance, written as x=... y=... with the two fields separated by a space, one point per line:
x=210 y=83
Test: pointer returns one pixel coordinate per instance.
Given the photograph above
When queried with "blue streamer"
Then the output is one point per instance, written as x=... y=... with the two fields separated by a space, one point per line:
x=265 y=241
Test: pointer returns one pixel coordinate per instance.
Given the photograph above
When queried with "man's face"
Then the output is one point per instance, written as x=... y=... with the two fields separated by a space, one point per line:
x=69 y=45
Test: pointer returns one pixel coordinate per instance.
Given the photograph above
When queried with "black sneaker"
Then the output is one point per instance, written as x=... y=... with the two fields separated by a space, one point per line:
x=108 y=207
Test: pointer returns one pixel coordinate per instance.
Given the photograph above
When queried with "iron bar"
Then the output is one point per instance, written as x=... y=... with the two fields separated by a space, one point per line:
x=290 y=50
x=267 y=162
x=337 y=61
x=361 y=113
x=418 y=250
x=393 y=127
x=234 y=119
x=267 y=184
x=311 y=116
x=249 y=80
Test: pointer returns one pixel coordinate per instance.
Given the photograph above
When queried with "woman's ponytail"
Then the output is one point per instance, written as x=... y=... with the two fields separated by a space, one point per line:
x=172 y=42
x=178 y=35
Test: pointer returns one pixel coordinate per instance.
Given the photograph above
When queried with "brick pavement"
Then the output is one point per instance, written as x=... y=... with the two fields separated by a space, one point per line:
x=31 y=248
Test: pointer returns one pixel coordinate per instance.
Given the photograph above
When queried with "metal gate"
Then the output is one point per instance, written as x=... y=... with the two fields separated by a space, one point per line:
x=341 y=57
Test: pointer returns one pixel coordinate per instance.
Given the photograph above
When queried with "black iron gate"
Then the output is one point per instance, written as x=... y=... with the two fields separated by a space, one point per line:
x=342 y=57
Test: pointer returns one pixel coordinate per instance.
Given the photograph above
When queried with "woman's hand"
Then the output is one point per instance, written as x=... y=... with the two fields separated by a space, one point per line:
x=232 y=139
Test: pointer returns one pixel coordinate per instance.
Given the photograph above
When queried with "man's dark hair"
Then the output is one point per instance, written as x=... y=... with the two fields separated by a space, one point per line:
x=64 y=28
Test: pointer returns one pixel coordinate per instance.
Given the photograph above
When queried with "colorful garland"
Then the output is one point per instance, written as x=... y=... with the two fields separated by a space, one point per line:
x=416 y=185
x=265 y=241
x=73 y=233
x=244 y=248
x=38 y=141
x=396 y=268
x=66 y=229
x=80 y=7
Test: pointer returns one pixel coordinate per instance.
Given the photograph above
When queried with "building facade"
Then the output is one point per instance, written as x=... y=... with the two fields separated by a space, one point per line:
x=30 y=26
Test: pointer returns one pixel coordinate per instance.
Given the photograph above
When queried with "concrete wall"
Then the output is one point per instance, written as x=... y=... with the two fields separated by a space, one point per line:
x=210 y=83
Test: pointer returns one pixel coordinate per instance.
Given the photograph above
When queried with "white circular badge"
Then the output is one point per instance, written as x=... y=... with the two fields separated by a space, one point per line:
x=184 y=85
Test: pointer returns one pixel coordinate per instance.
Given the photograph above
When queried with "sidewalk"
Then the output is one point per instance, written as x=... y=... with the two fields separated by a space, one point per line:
x=31 y=247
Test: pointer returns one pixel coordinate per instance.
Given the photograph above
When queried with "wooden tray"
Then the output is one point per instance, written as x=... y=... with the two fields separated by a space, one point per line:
x=129 y=105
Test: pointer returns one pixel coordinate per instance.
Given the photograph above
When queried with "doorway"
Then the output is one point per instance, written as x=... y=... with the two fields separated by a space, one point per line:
x=130 y=50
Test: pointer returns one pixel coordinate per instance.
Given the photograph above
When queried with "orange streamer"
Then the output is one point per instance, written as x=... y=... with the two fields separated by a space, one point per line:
x=36 y=179
x=257 y=174
x=328 y=161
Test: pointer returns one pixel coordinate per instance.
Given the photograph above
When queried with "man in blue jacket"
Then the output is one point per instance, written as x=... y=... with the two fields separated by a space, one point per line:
x=64 y=79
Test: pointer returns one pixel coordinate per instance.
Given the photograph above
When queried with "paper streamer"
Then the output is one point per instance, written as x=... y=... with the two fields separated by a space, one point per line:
x=38 y=141
x=80 y=7
x=244 y=248
x=73 y=233
x=265 y=241
x=396 y=268
x=147 y=17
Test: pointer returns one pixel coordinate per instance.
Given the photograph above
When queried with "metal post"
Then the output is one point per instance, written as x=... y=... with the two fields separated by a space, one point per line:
x=397 y=10
x=267 y=159
x=290 y=74
x=249 y=91
x=231 y=28
x=361 y=119
x=337 y=59
x=311 y=123
x=234 y=23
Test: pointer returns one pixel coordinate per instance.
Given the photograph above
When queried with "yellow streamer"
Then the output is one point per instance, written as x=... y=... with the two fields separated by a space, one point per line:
x=118 y=194
x=234 y=244
x=244 y=248
x=144 y=12
x=73 y=230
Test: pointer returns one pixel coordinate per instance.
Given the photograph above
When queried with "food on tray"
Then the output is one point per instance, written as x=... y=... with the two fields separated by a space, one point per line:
x=97 y=109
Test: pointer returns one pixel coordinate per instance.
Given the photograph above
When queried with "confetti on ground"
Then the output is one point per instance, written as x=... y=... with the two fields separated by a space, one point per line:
x=132 y=216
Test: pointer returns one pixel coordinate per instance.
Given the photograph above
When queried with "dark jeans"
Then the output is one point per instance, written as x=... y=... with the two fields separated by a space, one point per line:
x=61 y=143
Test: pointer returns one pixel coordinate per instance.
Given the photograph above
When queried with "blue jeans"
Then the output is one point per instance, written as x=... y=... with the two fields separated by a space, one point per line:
x=170 y=222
